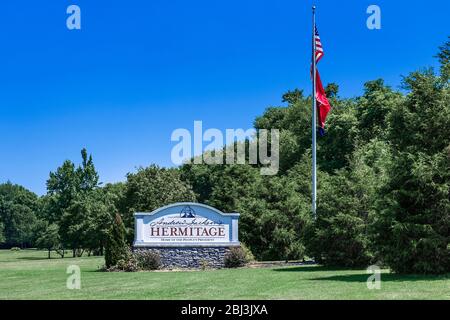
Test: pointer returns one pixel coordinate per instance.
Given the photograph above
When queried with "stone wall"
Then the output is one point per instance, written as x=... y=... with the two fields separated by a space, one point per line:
x=189 y=257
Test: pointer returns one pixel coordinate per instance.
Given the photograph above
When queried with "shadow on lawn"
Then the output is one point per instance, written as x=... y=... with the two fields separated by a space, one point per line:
x=34 y=258
x=361 y=277
x=42 y=258
x=384 y=277
x=311 y=269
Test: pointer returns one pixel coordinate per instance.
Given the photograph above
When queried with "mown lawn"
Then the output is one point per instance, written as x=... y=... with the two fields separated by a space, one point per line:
x=29 y=275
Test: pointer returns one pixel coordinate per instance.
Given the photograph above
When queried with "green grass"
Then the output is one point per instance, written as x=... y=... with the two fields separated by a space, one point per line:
x=29 y=275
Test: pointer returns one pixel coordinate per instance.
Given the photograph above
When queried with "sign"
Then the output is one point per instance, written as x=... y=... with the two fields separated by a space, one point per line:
x=186 y=224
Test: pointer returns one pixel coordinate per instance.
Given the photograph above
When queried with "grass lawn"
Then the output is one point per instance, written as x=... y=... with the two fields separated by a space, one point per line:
x=28 y=274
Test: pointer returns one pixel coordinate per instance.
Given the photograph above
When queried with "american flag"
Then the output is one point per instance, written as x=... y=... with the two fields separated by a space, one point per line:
x=319 y=49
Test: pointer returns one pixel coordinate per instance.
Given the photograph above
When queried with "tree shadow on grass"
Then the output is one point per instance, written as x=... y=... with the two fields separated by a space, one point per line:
x=385 y=277
x=315 y=268
x=361 y=277
x=34 y=258
x=43 y=258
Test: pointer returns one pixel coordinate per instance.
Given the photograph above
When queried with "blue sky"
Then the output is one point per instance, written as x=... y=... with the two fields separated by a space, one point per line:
x=139 y=69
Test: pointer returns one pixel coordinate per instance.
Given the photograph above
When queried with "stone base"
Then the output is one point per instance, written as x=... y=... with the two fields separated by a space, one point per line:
x=189 y=257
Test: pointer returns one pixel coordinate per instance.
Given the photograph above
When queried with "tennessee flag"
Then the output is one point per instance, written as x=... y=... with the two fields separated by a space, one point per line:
x=323 y=105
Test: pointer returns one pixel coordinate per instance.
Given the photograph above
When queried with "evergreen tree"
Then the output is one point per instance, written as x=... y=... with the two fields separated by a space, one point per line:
x=411 y=229
x=116 y=246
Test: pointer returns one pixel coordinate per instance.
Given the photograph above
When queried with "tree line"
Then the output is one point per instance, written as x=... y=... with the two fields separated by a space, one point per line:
x=383 y=192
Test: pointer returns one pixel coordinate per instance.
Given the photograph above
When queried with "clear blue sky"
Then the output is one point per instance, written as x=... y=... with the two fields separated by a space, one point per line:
x=139 y=69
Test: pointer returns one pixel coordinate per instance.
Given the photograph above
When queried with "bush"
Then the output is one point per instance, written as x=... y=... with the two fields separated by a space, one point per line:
x=235 y=258
x=130 y=264
x=204 y=264
x=338 y=241
x=15 y=249
x=116 y=248
x=148 y=260
x=249 y=257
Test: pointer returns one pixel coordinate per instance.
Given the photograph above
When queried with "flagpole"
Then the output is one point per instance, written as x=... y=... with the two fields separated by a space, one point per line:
x=314 y=120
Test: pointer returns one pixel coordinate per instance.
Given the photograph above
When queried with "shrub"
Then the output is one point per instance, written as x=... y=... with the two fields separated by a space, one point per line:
x=148 y=260
x=116 y=248
x=338 y=241
x=235 y=258
x=204 y=264
x=249 y=257
x=130 y=264
x=15 y=249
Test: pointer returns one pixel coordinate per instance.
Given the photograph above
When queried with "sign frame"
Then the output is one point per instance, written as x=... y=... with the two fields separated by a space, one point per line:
x=144 y=219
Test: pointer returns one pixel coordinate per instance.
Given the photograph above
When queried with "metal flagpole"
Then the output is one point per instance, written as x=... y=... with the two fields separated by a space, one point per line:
x=314 y=120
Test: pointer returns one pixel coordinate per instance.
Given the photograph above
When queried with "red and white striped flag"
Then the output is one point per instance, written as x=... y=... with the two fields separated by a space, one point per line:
x=319 y=48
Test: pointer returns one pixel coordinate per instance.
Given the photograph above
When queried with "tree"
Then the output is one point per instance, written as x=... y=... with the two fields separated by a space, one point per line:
x=85 y=223
x=373 y=108
x=18 y=207
x=332 y=90
x=340 y=236
x=232 y=183
x=62 y=187
x=292 y=97
x=86 y=173
x=49 y=239
x=444 y=60
x=336 y=148
x=69 y=201
x=116 y=245
x=411 y=230
x=150 y=188
x=2 y=236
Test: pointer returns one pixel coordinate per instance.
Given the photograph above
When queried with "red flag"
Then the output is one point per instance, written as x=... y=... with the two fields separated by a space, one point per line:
x=323 y=105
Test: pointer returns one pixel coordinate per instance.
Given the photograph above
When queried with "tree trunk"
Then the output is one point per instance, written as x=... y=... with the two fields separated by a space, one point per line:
x=49 y=250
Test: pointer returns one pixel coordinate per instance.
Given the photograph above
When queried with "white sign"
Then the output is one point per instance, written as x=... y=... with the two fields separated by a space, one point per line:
x=186 y=224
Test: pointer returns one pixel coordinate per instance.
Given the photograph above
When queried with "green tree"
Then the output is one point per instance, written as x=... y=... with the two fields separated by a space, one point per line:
x=116 y=244
x=338 y=237
x=62 y=188
x=373 y=109
x=411 y=228
x=85 y=223
x=150 y=188
x=444 y=60
x=2 y=235
x=332 y=90
x=335 y=149
x=18 y=207
x=49 y=239
x=232 y=184
x=69 y=202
